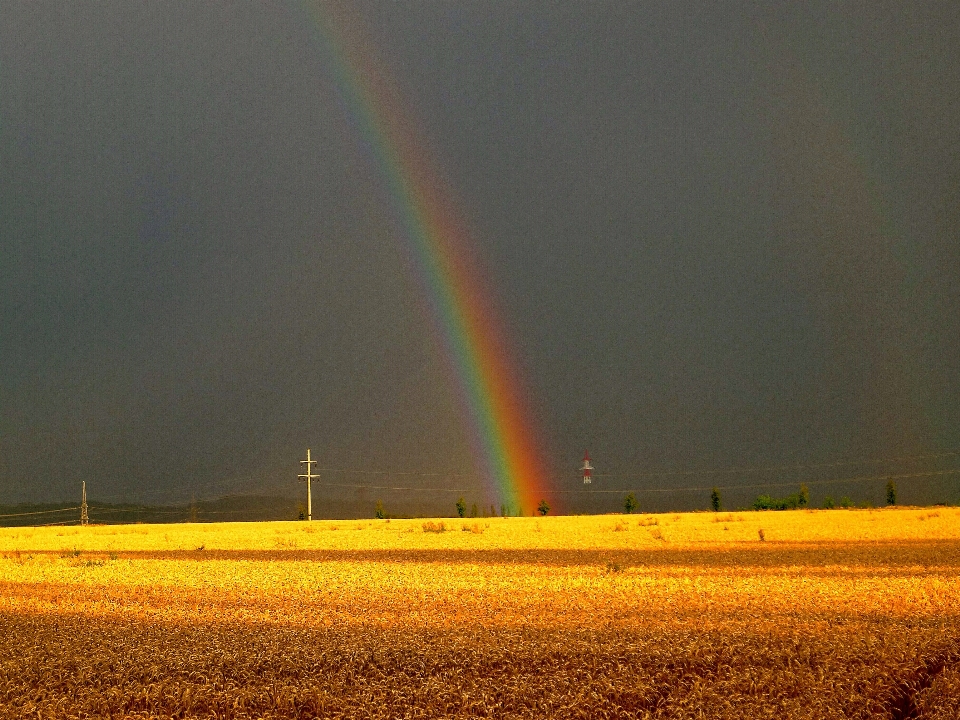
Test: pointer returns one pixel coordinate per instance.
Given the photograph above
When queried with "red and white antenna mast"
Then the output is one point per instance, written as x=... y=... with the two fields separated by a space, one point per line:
x=587 y=469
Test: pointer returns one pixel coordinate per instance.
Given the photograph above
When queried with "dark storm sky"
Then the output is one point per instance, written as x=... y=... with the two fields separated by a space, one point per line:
x=721 y=235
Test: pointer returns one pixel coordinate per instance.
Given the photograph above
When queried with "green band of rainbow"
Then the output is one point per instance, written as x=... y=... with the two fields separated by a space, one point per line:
x=501 y=428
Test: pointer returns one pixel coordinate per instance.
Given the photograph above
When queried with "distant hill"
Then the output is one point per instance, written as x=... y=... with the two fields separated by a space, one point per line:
x=230 y=508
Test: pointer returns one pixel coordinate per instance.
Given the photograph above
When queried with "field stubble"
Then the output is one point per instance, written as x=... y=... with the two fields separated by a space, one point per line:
x=839 y=614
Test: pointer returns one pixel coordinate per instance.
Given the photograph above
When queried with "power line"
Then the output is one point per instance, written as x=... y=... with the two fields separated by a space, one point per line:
x=781 y=468
x=611 y=476
x=664 y=473
x=40 y=512
x=861 y=478
x=422 y=473
x=151 y=511
x=154 y=511
x=100 y=510
x=834 y=481
x=858 y=478
x=392 y=487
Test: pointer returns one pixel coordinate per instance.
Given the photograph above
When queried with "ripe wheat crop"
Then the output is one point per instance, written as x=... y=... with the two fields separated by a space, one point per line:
x=836 y=614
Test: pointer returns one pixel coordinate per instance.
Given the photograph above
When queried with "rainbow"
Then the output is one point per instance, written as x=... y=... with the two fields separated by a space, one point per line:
x=478 y=354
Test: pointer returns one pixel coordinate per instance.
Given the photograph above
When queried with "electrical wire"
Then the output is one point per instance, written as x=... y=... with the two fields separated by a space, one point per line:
x=40 y=512
x=782 y=468
x=393 y=487
x=357 y=471
x=608 y=476
x=834 y=481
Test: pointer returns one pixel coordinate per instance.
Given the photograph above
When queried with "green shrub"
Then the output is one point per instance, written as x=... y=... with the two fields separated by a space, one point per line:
x=715 y=500
x=764 y=502
x=790 y=502
x=543 y=508
x=630 y=503
x=461 y=507
x=828 y=502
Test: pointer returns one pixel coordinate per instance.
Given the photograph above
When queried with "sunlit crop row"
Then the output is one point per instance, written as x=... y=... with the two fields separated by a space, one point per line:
x=834 y=614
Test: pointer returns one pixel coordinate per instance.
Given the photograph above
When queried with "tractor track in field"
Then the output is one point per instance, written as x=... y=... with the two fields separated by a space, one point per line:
x=904 y=705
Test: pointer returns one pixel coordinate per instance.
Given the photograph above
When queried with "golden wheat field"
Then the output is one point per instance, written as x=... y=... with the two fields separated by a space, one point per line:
x=835 y=614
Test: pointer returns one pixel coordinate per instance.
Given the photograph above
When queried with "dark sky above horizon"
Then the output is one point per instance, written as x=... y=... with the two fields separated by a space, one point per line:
x=720 y=236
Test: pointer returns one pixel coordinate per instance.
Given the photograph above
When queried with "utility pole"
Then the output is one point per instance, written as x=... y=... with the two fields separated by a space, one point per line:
x=308 y=476
x=83 y=504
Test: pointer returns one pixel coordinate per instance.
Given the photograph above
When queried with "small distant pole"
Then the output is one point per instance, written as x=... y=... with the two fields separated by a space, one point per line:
x=83 y=504
x=308 y=476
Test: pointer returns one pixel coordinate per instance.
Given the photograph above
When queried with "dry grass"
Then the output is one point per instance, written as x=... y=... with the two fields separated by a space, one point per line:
x=838 y=614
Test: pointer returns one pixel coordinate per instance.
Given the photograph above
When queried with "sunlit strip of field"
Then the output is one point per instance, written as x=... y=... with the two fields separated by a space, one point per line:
x=834 y=614
x=566 y=533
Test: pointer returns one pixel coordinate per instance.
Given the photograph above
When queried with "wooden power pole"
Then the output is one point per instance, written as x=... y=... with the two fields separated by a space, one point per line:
x=308 y=476
x=83 y=504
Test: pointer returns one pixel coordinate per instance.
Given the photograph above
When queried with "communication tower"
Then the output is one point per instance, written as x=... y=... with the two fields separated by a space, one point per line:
x=587 y=469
